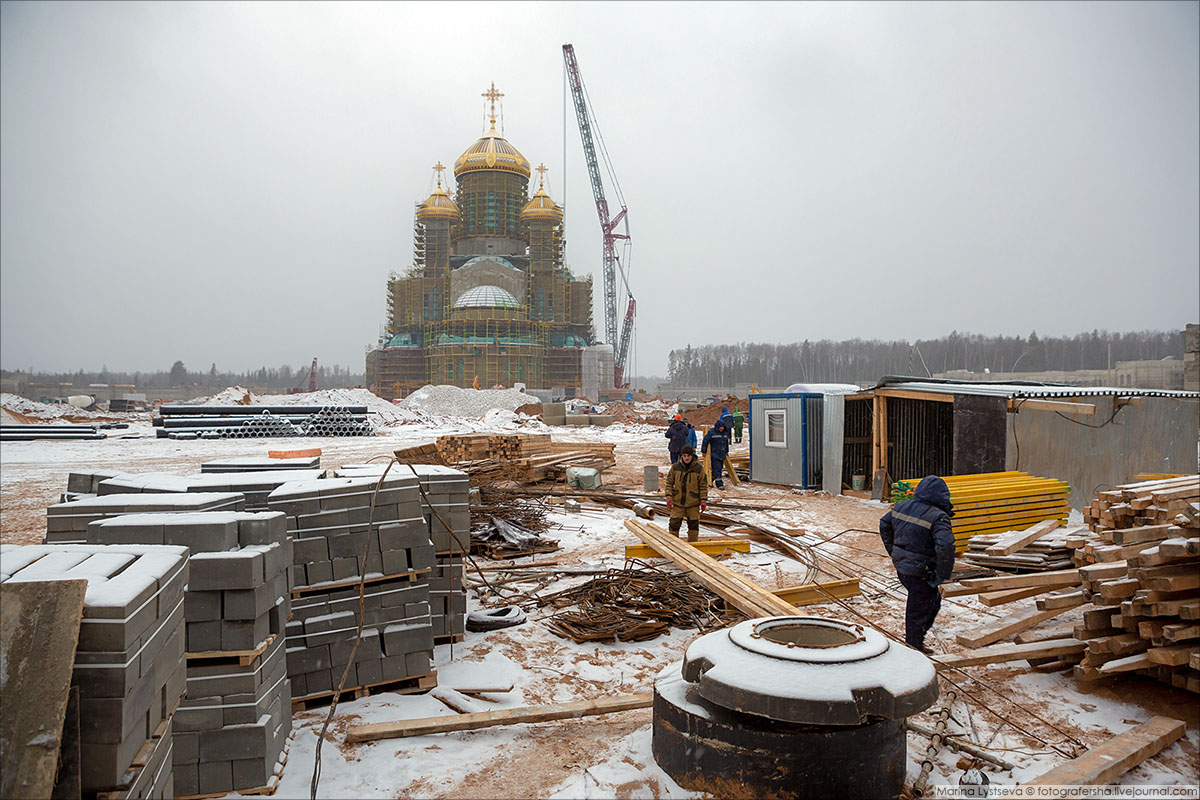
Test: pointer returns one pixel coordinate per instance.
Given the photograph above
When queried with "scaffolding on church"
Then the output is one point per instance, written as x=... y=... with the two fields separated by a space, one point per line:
x=496 y=351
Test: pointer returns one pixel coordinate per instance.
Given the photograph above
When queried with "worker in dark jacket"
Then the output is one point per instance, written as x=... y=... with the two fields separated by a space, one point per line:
x=918 y=537
x=716 y=444
x=687 y=493
x=677 y=437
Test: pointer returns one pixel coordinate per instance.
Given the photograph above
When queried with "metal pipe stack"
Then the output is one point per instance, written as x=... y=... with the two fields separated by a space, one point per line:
x=260 y=422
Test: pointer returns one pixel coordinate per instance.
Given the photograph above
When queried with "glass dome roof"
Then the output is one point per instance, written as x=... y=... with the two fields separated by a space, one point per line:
x=486 y=297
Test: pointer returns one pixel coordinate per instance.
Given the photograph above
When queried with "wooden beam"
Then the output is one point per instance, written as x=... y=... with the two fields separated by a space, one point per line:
x=506 y=716
x=1008 y=626
x=1013 y=652
x=742 y=593
x=908 y=394
x=711 y=547
x=810 y=593
x=1062 y=406
x=1000 y=598
x=1050 y=580
x=1011 y=543
x=1115 y=757
x=883 y=438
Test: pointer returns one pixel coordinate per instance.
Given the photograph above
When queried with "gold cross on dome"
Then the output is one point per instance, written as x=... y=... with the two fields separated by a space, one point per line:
x=493 y=96
x=542 y=170
x=438 y=168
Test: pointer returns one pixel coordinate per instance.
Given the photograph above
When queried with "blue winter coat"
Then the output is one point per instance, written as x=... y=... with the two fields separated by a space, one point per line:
x=717 y=440
x=692 y=436
x=677 y=432
x=917 y=532
x=727 y=418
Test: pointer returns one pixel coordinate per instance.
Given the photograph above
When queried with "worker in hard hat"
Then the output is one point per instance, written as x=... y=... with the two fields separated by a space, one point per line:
x=677 y=435
x=687 y=493
x=918 y=537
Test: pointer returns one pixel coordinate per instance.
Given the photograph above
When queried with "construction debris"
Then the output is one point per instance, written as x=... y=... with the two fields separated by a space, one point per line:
x=502 y=539
x=634 y=604
x=1114 y=758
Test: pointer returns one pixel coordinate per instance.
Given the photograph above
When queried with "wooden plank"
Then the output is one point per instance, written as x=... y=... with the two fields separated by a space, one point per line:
x=1115 y=757
x=1026 y=618
x=1127 y=664
x=1173 y=656
x=1045 y=634
x=1050 y=580
x=908 y=394
x=1062 y=406
x=810 y=593
x=39 y=629
x=506 y=716
x=1010 y=595
x=733 y=478
x=1007 y=545
x=1012 y=652
x=742 y=593
x=711 y=547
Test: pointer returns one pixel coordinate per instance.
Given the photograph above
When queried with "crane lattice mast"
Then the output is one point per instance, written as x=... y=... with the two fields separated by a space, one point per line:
x=618 y=337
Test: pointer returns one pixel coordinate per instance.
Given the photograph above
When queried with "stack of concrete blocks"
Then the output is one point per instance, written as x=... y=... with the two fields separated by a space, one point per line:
x=129 y=662
x=446 y=490
x=231 y=731
x=601 y=420
x=337 y=541
x=67 y=523
x=256 y=464
x=84 y=484
x=554 y=413
x=254 y=485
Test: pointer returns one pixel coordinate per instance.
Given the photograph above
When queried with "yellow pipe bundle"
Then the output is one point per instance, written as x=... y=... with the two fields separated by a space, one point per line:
x=995 y=502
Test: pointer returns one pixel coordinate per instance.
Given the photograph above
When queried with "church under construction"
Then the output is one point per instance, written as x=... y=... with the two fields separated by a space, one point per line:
x=488 y=301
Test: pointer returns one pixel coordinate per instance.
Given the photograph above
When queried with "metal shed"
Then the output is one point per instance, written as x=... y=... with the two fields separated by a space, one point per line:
x=796 y=437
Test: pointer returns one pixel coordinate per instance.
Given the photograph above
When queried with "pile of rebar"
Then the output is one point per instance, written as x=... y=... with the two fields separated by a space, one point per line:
x=510 y=504
x=634 y=604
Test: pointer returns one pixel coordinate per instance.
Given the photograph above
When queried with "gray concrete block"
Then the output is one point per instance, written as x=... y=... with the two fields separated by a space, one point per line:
x=262 y=528
x=235 y=741
x=318 y=572
x=347 y=545
x=419 y=663
x=407 y=638
x=244 y=635
x=421 y=557
x=323 y=519
x=251 y=773
x=202 y=606
x=299 y=685
x=394 y=562
x=187 y=779
x=318 y=681
x=369 y=671
x=344 y=569
x=238 y=569
x=201 y=537
x=185 y=746
x=204 y=637
x=403 y=534
x=305 y=551
x=215 y=776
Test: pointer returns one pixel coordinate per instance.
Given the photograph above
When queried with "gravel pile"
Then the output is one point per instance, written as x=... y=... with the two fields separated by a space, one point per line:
x=452 y=401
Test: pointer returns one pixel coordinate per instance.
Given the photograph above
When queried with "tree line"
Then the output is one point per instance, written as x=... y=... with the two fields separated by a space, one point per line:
x=867 y=360
x=281 y=377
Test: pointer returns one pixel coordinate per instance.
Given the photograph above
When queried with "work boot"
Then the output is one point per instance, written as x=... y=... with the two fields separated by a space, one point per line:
x=720 y=484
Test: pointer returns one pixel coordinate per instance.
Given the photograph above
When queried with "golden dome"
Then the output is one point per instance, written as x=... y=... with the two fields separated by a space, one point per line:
x=492 y=151
x=438 y=205
x=541 y=206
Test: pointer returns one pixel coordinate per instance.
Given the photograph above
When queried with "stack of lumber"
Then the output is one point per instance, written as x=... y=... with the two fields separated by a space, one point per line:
x=524 y=457
x=1153 y=502
x=740 y=463
x=995 y=502
x=1042 y=546
x=1146 y=615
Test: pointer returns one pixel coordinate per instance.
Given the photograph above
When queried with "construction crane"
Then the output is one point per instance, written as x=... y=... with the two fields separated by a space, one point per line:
x=312 y=376
x=608 y=225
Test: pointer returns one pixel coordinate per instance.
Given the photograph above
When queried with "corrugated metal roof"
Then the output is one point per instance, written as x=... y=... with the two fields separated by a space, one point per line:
x=1023 y=389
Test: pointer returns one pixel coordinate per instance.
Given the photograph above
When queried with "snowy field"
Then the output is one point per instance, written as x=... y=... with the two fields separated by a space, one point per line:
x=1030 y=719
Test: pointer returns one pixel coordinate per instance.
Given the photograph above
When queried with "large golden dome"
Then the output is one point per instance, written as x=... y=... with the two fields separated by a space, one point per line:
x=541 y=206
x=438 y=205
x=492 y=151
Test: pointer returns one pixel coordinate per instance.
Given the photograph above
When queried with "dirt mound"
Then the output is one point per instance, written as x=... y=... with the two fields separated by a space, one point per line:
x=706 y=417
x=532 y=409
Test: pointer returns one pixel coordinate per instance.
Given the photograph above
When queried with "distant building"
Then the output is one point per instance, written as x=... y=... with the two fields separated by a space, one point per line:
x=1153 y=374
x=488 y=300
x=1191 y=358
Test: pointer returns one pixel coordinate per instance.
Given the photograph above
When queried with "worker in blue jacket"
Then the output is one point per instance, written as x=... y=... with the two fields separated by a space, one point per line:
x=676 y=433
x=716 y=443
x=918 y=537
x=691 y=435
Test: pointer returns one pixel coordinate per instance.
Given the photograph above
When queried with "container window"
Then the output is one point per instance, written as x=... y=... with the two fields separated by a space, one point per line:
x=776 y=427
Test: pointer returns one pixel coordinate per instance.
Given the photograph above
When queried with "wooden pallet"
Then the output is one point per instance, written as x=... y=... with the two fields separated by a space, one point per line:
x=448 y=638
x=410 y=685
x=240 y=658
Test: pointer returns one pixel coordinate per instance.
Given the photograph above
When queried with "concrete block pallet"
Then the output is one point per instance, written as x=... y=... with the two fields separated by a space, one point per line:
x=67 y=523
x=340 y=541
x=129 y=662
x=256 y=464
x=230 y=731
x=255 y=486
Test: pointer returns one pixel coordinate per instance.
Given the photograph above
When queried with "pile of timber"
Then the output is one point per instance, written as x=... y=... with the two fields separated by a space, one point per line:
x=1153 y=502
x=1040 y=547
x=740 y=463
x=521 y=457
x=995 y=502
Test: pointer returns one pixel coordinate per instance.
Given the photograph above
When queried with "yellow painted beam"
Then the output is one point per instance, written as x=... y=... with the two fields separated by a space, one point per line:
x=711 y=547
x=810 y=593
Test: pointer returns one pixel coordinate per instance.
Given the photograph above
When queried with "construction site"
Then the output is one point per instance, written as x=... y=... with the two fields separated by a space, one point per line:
x=470 y=578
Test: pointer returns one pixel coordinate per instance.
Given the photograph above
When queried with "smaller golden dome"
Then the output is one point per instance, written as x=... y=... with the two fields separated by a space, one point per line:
x=541 y=206
x=439 y=205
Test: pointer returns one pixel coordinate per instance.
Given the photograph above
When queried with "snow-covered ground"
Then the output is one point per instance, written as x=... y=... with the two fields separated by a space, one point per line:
x=1021 y=715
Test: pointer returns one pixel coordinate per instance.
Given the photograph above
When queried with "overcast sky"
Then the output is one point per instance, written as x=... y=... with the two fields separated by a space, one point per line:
x=231 y=183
